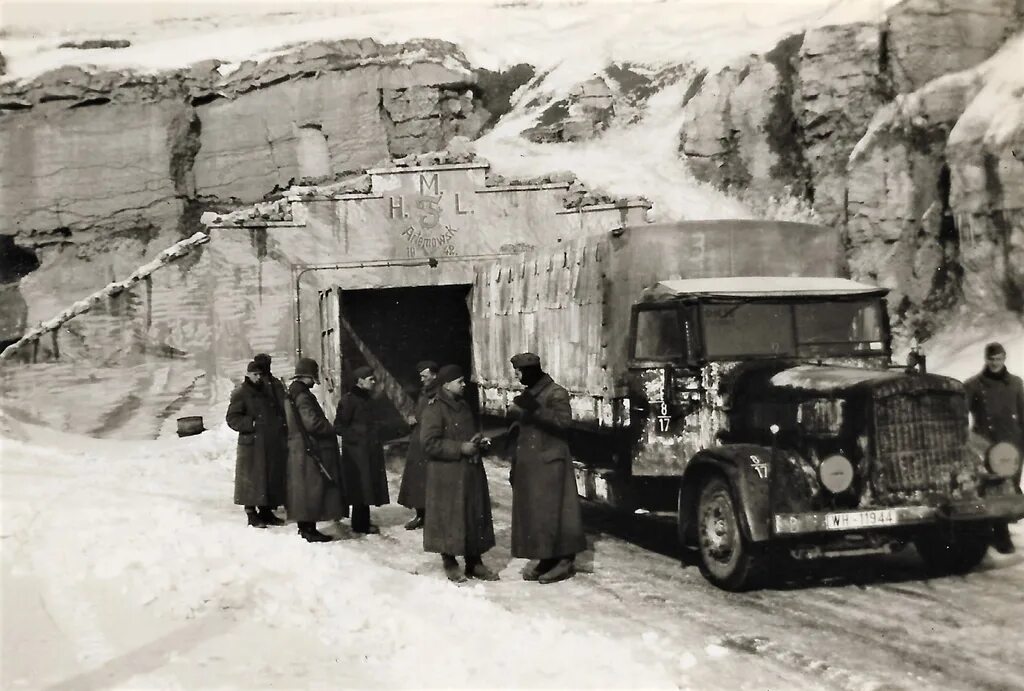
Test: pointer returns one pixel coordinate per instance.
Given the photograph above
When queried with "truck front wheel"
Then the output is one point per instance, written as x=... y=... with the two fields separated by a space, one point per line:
x=955 y=550
x=727 y=558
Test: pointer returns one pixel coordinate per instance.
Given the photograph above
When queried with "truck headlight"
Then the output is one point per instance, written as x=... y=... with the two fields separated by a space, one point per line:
x=1003 y=459
x=836 y=473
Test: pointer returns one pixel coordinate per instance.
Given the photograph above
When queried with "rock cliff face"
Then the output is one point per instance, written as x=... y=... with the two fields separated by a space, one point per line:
x=107 y=168
x=931 y=207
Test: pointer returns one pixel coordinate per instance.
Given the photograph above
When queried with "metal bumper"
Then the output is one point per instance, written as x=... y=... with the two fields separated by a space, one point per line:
x=1009 y=507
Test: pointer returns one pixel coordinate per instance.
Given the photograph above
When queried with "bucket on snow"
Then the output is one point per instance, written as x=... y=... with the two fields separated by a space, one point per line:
x=190 y=425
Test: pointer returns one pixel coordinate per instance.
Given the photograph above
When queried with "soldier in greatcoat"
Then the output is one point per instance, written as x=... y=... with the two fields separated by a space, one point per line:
x=458 y=502
x=413 y=491
x=275 y=387
x=995 y=399
x=358 y=423
x=546 y=520
x=262 y=448
x=315 y=490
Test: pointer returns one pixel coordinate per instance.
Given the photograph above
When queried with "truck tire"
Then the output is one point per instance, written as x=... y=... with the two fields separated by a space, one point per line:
x=727 y=558
x=953 y=551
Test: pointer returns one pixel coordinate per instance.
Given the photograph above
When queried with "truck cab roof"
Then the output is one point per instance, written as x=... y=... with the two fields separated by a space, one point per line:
x=761 y=287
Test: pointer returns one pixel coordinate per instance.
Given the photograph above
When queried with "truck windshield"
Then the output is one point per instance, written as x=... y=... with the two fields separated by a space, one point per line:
x=661 y=334
x=795 y=329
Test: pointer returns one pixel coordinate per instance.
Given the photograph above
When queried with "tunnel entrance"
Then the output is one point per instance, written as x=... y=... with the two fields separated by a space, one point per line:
x=402 y=326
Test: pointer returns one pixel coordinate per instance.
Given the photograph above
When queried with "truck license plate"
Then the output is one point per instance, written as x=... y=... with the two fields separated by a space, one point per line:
x=859 y=519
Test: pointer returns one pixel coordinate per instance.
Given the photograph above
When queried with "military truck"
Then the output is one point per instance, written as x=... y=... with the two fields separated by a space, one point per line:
x=725 y=370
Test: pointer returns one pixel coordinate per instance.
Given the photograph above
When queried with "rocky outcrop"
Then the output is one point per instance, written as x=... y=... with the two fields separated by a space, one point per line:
x=618 y=95
x=841 y=83
x=739 y=129
x=104 y=168
x=586 y=111
x=96 y=43
x=495 y=88
x=212 y=132
x=930 y=38
x=796 y=117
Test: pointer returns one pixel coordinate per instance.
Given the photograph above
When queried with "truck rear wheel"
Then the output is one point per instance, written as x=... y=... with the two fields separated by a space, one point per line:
x=953 y=551
x=727 y=558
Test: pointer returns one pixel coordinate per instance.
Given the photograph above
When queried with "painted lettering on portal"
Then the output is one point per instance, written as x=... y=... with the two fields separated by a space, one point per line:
x=420 y=215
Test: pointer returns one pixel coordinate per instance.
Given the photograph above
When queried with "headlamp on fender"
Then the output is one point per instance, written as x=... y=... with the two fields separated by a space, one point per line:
x=1003 y=459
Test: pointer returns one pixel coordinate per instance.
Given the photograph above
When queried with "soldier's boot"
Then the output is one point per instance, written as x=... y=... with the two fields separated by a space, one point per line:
x=309 y=533
x=533 y=573
x=266 y=514
x=475 y=569
x=1001 y=540
x=452 y=570
x=416 y=521
x=562 y=570
x=254 y=518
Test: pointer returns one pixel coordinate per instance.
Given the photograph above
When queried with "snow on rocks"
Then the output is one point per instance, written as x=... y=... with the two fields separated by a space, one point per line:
x=175 y=251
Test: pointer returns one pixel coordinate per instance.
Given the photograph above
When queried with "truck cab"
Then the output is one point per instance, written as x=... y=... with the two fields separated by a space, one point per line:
x=774 y=405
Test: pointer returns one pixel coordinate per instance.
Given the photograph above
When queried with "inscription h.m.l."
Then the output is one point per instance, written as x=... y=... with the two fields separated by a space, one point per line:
x=420 y=217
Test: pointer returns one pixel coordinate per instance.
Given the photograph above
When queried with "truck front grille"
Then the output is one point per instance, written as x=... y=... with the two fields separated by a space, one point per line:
x=920 y=442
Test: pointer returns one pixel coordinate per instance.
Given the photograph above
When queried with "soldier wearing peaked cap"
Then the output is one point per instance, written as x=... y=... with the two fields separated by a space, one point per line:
x=262 y=452
x=314 y=465
x=995 y=399
x=413 y=490
x=458 y=503
x=547 y=522
x=358 y=423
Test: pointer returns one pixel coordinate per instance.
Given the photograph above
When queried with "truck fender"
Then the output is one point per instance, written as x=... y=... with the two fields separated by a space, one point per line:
x=746 y=468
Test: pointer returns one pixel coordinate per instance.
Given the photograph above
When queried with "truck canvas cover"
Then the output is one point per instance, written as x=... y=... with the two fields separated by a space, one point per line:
x=571 y=303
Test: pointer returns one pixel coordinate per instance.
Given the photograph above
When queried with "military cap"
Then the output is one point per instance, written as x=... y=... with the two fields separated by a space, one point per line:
x=362 y=372
x=993 y=349
x=449 y=373
x=307 y=367
x=426 y=364
x=253 y=367
x=525 y=360
x=263 y=360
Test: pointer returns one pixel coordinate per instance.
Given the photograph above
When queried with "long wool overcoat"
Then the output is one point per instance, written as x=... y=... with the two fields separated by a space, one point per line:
x=362 y=451
x=311 y=496
x=458 y=503
x=546 y=517
x=413 y=491
x=262 y=456
x=997 y=404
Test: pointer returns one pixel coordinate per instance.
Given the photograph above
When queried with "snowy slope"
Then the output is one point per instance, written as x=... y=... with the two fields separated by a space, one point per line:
x=567 y=43
x=577 y=38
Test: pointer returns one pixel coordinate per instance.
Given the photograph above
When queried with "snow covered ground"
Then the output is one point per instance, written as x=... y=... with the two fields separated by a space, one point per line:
x=126 y=566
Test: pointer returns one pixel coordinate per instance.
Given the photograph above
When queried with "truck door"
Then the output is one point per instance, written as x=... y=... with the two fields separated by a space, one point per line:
x=664 y=386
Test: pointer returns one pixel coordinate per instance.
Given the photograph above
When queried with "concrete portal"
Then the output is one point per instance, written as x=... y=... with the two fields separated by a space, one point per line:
x=402 y=326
